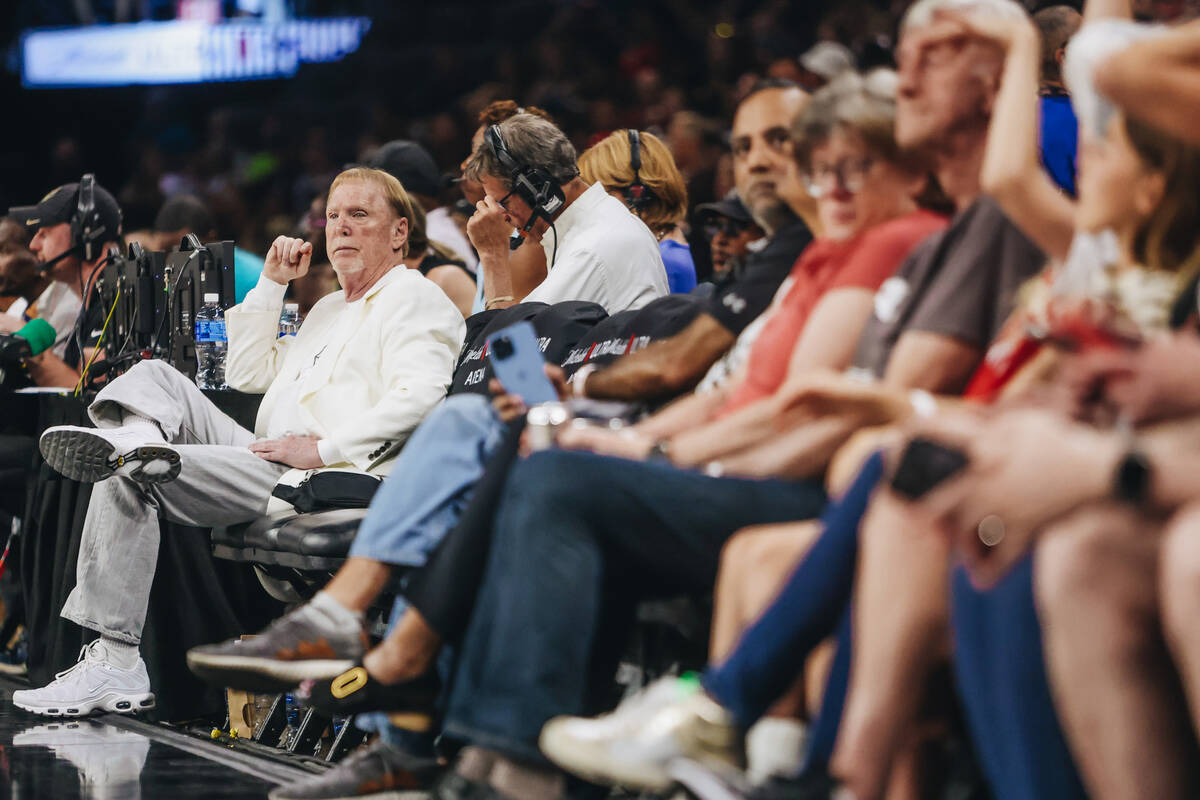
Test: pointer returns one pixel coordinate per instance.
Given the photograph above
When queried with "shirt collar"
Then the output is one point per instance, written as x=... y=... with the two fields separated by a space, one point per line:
x=582 y=207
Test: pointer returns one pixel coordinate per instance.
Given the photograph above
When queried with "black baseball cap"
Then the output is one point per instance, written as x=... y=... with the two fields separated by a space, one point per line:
x=60 y=205
x=729 y=206
x=409 y=163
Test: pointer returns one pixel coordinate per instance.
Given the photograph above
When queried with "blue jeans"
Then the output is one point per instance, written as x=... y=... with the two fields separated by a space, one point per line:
x=579 y=540
x=424 y=496
x=807 y=610
x=1001 y=675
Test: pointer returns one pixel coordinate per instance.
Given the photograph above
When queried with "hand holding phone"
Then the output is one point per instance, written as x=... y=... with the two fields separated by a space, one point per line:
x=517 y=361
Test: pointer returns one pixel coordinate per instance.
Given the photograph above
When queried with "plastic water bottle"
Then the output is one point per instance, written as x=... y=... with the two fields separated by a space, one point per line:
x=289 y=320
x=211 y=344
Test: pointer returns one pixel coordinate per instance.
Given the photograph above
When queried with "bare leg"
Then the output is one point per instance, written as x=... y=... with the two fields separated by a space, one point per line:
x=755 y=563
x=1179 y=597
x=407 y=652
x=358 y=583
x=901 y=621
x=1094 y=578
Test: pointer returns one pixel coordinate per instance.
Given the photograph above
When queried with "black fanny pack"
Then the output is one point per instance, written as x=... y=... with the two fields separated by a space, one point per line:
x=323 y=491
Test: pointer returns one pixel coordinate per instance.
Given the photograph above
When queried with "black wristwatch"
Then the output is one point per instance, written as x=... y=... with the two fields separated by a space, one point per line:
x=1131 y=483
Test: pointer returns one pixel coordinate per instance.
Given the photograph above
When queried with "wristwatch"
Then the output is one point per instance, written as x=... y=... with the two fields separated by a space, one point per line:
x=1131 y=482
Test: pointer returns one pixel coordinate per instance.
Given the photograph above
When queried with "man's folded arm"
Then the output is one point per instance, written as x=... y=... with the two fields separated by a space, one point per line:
x=255 y=352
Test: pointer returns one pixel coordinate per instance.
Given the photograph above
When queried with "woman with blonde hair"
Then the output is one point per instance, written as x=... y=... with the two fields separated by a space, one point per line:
x=637 y=168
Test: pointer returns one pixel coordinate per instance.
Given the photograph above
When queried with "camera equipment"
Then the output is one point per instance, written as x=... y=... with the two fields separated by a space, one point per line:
x=153 y=298
x=538 y=188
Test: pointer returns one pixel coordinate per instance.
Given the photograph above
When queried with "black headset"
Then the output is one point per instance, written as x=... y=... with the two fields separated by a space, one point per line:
x=87 y=230
x=637 y=194
x=538 y=188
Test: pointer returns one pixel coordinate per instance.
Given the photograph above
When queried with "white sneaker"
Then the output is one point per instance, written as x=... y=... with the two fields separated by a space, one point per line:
x=634 y=745
x=93 y=684
x=93 y=454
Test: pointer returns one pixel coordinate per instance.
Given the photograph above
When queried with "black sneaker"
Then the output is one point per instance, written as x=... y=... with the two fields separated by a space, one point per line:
x=380 y=771
x=291 y=649
x=410 y=704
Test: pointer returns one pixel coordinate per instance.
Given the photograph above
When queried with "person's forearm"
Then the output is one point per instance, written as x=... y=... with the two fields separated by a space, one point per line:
x=744 y=428
x=48 y=369
x=1012 y=171
x=688 y=411
x=1158 y=81
x=666 y=368
x=800 y=454
x=497 y=279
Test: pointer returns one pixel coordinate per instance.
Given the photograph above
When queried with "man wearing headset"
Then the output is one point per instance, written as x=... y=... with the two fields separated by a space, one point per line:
x=595 y=249
x=76 y=225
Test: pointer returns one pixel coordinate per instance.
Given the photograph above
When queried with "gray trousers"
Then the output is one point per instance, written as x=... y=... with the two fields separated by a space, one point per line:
x=220 y=483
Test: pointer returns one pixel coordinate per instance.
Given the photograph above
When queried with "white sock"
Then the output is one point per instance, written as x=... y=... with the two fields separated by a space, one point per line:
x=774 y=746
x=332 y=613
x=120 y=654
x=144 y=425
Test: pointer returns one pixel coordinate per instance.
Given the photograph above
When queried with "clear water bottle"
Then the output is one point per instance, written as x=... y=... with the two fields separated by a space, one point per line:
x=289 y=320
x=211 y=344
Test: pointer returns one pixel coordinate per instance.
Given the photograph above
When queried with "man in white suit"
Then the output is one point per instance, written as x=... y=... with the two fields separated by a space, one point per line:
x=367 y=365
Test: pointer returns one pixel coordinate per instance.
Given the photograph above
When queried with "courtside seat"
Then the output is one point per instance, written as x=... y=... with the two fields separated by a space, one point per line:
x=317 y=541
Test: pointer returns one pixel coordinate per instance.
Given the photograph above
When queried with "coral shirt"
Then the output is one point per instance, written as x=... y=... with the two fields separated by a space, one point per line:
x=863 y=262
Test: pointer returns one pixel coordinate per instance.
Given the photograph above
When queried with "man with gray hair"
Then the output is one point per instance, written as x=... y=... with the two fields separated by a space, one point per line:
x=595 y=249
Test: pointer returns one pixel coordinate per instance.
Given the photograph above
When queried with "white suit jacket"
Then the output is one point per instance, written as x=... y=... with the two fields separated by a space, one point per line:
x=377 y=376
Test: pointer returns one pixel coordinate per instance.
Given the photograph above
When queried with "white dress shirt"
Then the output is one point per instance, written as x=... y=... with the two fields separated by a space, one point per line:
x=605 y=255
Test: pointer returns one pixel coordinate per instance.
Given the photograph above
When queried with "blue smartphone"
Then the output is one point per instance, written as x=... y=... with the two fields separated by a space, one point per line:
x=517 y=361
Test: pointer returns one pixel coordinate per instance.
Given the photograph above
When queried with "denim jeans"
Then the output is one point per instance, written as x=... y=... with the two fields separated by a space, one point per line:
x=423 y=497
x=579 y=539
x=1001 y=675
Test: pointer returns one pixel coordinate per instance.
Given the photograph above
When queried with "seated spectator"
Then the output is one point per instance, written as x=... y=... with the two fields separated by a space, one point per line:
x=21 y=283
x=440 y=264
x=526 y=265
x=761 y=164
x=367 y=365
x=184 y=214
x=731 y=231
x=637 y=169
x=74 y=265
x=596 y=252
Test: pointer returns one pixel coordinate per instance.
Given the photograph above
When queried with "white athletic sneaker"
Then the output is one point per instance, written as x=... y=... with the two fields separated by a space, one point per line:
x=634 y=745
x=93 y=684
x=93 y=454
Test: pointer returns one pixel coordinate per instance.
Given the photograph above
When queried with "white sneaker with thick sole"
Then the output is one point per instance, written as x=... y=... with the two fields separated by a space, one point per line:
x=634 y=745
x=93 y=454
x=93 y=684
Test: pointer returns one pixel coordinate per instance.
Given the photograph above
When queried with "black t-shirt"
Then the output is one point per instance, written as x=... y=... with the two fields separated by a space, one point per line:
x=629 y=331
x=960 y=283
x=558 y=328
x=739 y=302
x=88 y=327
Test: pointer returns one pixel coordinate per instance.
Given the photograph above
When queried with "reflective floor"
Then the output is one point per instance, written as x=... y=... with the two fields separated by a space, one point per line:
x=89 y=758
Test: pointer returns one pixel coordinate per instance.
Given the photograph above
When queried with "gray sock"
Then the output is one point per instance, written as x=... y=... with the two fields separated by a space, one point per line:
x=329 y=613
x=475 y=763
x=120 y=654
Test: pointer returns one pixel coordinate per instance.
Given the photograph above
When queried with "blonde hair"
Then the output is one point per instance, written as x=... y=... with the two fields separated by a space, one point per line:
x=393 y=192
x=608 y=162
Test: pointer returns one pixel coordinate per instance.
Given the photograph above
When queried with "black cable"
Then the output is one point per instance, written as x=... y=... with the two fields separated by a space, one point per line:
x=554 y=254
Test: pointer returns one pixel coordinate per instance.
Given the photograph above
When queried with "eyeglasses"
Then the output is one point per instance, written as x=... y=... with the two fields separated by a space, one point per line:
x=503 y=201
x=849 y=173
x=732 y=228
